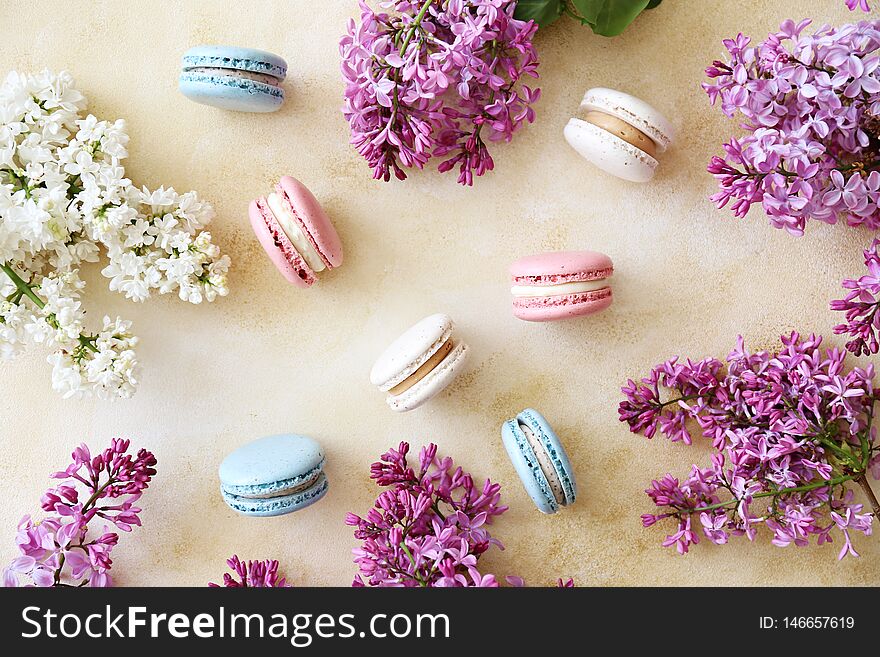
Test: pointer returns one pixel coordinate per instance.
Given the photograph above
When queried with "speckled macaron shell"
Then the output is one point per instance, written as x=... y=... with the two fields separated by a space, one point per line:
x=634 y=111
x=235 y=57
x=528 y=464
x=226 y=84
x=278 y=246
x=608 y=151
x=274 y=475
x=409 y=352
x=312 y=221
x=277 y=506
x=557 y=269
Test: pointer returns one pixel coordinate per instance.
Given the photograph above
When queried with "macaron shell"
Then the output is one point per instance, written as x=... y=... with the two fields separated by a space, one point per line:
x=527 y=467
x=230 y=93
x=553 y=267
x=273 y=488
x=407 y=353
x=634 y=111
x=609 y=152
x=558 y=456
x=278 y=247
x=235 y=57
x=564 y=306
x=271 y=459
x=434 y=383
x=277 y=506
x=315 y=222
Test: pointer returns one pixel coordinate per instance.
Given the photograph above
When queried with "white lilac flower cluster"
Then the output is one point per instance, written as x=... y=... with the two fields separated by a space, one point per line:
x=63 y=197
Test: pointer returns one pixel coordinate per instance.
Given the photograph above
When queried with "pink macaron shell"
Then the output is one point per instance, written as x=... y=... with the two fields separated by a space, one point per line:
x=314 y=221
x=278 y=246
x=560 y=267
x=563 y=306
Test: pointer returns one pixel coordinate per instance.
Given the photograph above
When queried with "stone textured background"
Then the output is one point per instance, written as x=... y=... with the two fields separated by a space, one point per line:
x=272 y=358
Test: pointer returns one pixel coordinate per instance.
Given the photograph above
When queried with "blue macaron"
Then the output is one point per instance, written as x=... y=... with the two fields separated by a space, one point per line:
x=231 y=78
x=274 y=475
x=540 y=461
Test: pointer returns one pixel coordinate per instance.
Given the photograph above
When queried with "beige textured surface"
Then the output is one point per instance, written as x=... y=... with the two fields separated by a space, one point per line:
x=273 y=358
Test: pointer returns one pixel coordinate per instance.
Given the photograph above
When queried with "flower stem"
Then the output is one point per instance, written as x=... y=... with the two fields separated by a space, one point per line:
x=97 y=494
x=26 y=290
x=825 y=483
x=21 y=180
x=22 y=287
x=684 y=398
x=866 y=487
x=409 y=555
x=415 y=24
x=59 y=569
x=841 y=453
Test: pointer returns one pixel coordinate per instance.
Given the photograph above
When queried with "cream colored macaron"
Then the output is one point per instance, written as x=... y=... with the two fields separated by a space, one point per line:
x=619 y=133
x=420 y=363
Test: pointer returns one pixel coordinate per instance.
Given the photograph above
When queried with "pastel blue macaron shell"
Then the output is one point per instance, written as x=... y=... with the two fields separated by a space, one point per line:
x=277 y=506
x=242 y=59
x=526 y=464
x=271 y=464
x=232 y=92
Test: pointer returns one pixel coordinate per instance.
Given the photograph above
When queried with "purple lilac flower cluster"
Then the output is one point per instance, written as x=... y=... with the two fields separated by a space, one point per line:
x=253 y=574
x=860 y=305
x=62 y=549
x=428 y=528
x=437 y=78
x=791 y=432
x=811 y=104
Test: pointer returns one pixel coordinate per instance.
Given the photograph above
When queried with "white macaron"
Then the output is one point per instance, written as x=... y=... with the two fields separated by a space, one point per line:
x=420 y=363
x=619 y=133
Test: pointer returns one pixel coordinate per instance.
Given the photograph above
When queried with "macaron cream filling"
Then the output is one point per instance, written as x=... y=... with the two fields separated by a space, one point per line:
x=565 y=288
x=424 y=369
x=289 y=224
x=545 y=464
x=619 y=128
x=256 y=76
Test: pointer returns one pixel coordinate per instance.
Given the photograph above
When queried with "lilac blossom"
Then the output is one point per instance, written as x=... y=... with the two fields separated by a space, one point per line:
x=811 y=106
x=253 y=574
x=791 y=432
x=860 y=307
x=429 y=527
x=852 y=5
x=436 y=78
x=71 y=544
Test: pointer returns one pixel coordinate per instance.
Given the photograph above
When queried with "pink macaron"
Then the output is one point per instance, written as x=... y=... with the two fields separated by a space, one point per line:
x=560 y=285
x=295 y=232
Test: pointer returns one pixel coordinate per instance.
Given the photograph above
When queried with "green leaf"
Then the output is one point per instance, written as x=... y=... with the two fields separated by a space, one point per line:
x=543 y=12
x=588 y=10
x=609 y=17
x=653 y=4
